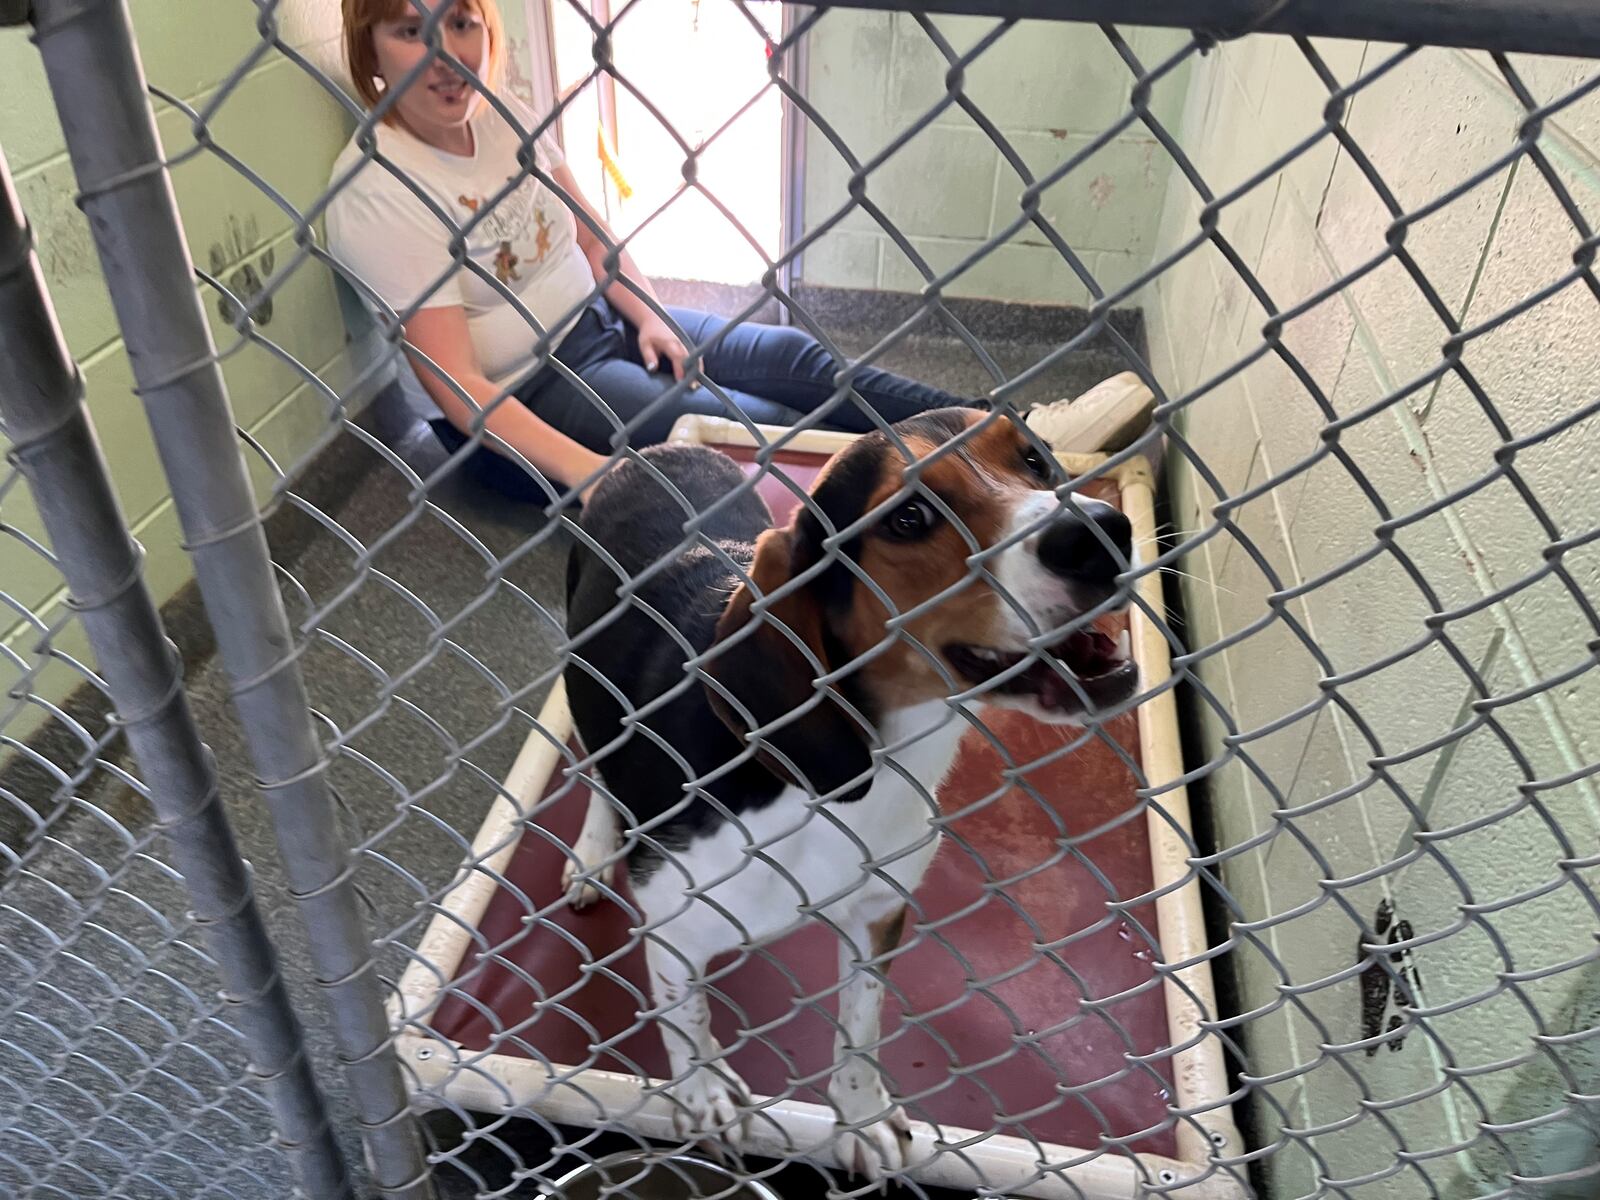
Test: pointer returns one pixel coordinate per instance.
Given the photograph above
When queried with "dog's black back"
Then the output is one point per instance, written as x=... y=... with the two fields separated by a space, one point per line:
x=639 y=523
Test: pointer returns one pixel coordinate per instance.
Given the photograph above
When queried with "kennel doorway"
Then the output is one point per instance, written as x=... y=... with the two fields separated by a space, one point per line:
x=701 y=213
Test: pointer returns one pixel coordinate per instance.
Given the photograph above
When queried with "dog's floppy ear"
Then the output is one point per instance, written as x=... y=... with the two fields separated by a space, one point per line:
x=767 y=673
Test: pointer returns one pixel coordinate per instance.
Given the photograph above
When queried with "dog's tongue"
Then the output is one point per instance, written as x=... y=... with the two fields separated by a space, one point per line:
x=1090 y=655
x=1089 y=652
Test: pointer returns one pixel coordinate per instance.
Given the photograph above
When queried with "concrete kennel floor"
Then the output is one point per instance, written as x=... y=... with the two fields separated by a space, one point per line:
x=444 y=703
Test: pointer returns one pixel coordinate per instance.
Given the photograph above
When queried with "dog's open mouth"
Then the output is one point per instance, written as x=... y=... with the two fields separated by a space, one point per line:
x=1099 y=664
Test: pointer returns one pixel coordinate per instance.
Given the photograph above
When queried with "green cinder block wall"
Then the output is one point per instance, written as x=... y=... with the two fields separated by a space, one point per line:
x=1048 y=87
x=288 y=129
x=1346 y=793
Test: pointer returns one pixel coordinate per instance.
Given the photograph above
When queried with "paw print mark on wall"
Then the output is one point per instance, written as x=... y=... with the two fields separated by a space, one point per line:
x=243 y=271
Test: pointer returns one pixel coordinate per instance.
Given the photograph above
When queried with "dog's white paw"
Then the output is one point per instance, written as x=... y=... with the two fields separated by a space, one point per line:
x=579 y=884
x=711 y=1104
x=879 y=1149
x=875 y=1133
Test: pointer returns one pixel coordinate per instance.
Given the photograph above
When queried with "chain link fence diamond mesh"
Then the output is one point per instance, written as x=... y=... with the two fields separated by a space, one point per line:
x=125 y=1069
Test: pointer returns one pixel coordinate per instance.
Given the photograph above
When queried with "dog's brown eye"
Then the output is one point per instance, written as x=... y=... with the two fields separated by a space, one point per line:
x=1036 y=463
x=911 y=520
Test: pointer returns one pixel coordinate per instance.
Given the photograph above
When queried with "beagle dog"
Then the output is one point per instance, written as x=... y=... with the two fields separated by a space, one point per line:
x=771 y=710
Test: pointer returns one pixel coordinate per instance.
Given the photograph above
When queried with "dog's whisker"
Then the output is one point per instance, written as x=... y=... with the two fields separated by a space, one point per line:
x=1198 y=579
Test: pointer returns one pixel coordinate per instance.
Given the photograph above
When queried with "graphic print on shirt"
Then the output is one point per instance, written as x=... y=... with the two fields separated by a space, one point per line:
x=505 y=264
x=506 y=222
x=542 y=242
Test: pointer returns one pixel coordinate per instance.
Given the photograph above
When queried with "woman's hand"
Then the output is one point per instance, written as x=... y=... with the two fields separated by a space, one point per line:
x=657 y=342
x=607 y=258
x=597 y=462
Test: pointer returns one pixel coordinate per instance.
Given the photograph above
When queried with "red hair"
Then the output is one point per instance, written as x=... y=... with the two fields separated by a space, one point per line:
x=362 y=16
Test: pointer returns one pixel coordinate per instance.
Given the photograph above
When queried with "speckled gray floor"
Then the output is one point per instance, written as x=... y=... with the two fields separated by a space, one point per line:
x=419 y=651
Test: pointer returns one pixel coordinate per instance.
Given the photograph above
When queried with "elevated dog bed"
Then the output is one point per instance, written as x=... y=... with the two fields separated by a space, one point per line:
x=1026 y=1026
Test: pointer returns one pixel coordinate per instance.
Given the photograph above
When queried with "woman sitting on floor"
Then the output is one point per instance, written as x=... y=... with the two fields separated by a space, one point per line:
x=460 y=154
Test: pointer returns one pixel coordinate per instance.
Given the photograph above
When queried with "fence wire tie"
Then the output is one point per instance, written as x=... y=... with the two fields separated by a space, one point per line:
x=23 y=452
x=304 y=775
x=212 y=537
x=132 y=579
x=213 y=796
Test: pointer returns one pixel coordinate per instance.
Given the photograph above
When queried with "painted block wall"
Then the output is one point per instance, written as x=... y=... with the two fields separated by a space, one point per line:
x=1049 y=87
x=288 y=130
x=1508 y=929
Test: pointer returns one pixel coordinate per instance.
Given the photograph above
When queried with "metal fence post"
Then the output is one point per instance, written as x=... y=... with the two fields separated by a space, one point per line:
x=98 y=87
x=54 y=446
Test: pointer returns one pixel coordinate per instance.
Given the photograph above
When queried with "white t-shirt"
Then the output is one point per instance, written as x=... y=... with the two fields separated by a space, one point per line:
x=386 y=235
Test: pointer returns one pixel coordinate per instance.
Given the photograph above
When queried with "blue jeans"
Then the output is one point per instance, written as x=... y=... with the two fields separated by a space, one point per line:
x=774 y=374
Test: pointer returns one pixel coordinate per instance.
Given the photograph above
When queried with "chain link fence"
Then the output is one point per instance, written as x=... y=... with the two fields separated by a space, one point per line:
x=130 y=999
x=123 y=1070
x=1315 y=917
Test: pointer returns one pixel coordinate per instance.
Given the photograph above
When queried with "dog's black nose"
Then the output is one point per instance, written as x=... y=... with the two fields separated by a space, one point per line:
x=1092 y=544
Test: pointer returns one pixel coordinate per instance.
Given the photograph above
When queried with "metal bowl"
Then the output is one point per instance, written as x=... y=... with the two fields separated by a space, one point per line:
x=643 y=1175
